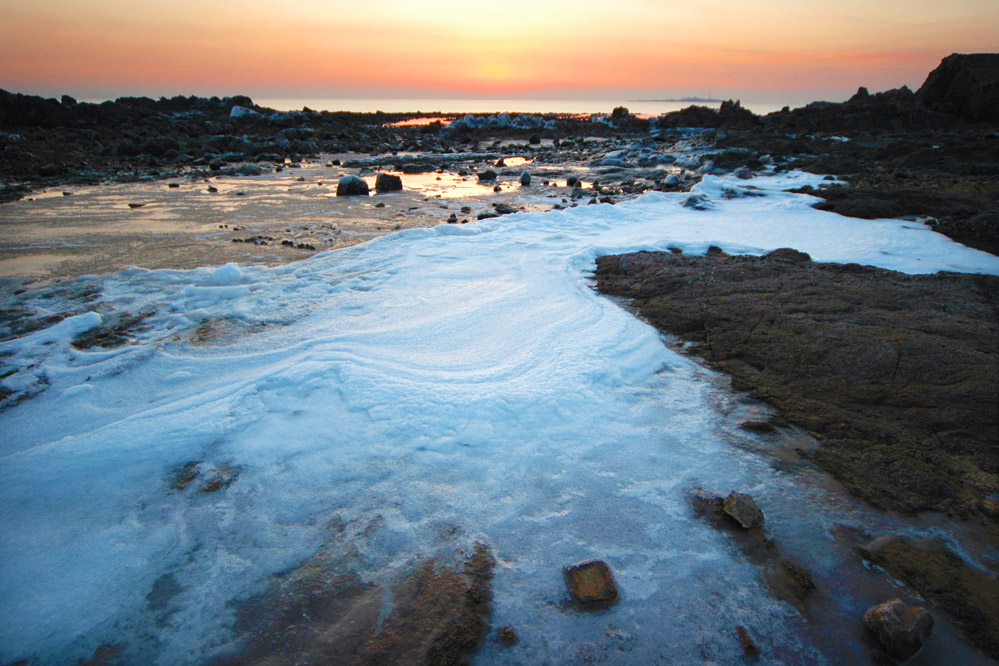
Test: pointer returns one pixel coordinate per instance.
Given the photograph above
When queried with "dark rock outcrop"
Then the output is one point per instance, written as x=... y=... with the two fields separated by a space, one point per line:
x=966 y=85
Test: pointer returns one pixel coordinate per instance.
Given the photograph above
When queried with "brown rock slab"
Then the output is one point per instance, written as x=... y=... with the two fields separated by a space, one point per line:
x=896 y=375
x=742 y=508
x=591 y=583
x=900 y=629
x=321 y=613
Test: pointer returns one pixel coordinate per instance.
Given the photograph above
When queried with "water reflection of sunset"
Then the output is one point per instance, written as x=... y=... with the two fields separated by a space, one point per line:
x=557 y=49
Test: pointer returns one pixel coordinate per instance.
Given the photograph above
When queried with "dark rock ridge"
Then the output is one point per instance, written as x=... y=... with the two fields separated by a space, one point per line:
x=962 y=89
x=896 y=375
x=931 y=153
x=966 y=85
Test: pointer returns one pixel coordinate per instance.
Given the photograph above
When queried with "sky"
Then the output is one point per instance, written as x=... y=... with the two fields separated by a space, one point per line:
x=792 y=50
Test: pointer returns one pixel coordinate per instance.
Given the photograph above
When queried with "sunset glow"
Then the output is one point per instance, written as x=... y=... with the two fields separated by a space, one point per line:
x=558 y=49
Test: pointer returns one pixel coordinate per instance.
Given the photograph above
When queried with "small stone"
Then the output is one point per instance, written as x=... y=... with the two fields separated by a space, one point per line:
x=525 y=179
x=507 y=636
x=385 y=182
x=248 y=170
x=743 y=173
x=899 y=628
x=788 y=254
x=136 y=205
x=453 y=219
x=212 y=189
x=572 y=181
x=173 y=186
x=488 y=174
x=749 y=648
x=591 y=582
x=697 y=202
x=504 y=209
x=351 y=186
x=758 y=426
x=742 y=508
x=497 y=188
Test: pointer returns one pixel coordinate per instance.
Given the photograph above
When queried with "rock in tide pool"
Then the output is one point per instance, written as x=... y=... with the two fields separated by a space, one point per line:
x=742 y=508
x=900 y=629
x=385 y=182
x=749 y=648
x=507 y=636
x=351 y=186
x=591 y=583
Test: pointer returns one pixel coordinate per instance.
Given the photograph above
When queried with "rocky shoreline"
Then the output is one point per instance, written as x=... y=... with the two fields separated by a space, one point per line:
x=895 y=375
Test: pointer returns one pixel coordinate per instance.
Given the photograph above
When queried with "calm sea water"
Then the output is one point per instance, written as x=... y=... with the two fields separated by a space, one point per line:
x=652 y=108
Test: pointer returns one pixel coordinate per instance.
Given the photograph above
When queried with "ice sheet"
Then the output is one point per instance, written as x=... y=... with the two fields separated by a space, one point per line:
x=459 y=378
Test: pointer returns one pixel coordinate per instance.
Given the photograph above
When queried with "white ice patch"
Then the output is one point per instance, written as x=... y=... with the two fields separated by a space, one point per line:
x=462 y=378
x=227 y=274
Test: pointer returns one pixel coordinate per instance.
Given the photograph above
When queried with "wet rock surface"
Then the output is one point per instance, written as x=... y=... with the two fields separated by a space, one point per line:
x=786 y=579
x=435 y=614
x=965 y=592
x=895 y=375
x=900 y=629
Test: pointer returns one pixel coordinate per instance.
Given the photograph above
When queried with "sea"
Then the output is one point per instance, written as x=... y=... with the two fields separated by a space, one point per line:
x=540 y=106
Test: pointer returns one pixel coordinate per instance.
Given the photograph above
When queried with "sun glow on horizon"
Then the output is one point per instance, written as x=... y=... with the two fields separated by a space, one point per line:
x=401 y=48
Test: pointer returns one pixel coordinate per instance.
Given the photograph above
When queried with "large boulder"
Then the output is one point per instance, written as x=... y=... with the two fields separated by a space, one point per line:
x=386 y=182
x=351 y=186
x=900 y=629
x=160 y=146
x=742 y=508
x=965 y=84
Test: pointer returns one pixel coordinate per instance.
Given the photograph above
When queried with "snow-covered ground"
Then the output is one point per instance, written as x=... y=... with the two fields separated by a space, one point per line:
x=464 y=379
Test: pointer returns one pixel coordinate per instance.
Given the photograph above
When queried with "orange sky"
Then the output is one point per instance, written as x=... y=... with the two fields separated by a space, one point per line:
x=795 y=50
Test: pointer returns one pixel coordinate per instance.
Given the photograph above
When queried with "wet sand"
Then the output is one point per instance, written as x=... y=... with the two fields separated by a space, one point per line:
x=93 y=230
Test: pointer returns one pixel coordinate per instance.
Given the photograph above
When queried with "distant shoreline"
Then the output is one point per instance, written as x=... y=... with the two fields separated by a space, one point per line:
x=708 y=100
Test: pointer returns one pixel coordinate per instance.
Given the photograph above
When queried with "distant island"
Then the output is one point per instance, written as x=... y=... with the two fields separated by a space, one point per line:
x=682 y=99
